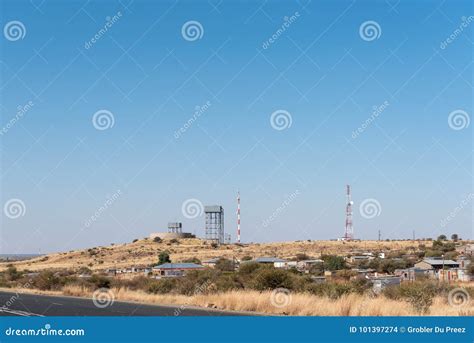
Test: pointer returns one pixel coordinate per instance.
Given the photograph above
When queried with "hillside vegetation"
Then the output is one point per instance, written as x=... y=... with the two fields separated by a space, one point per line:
x=146 y=252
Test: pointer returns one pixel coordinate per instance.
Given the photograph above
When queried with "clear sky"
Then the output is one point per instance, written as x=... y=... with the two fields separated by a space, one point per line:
x=190 y=88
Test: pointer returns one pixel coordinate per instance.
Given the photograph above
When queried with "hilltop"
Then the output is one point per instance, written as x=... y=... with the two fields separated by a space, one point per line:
x=146 y=251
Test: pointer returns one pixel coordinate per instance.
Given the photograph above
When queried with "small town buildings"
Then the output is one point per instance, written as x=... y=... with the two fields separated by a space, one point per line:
x=175 y=269
x=464 y=261
x=436 y=264
x=359 y=258
x=411 y=274
x=306 y=265
x=275 y=261
x=380 y=283
x=211 y=263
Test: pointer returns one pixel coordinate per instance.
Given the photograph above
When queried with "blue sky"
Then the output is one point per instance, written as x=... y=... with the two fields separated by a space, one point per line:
x=321 y=71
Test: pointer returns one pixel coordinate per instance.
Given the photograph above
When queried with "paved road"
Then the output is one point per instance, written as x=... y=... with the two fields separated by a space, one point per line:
x=12 y=304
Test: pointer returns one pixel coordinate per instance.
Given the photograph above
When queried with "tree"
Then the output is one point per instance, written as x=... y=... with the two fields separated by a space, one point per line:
x=164 y=257
x=302 y=257
x=157 y=239
x=442 y=238
x=455 y=237
x=333 y=262
x=225 y=265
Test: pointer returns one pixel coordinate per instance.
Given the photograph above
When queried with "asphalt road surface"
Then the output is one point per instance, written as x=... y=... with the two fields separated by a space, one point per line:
x=13 y=304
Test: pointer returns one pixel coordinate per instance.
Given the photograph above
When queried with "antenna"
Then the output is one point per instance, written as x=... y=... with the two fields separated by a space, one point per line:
x=238 y=216
x=349 y=230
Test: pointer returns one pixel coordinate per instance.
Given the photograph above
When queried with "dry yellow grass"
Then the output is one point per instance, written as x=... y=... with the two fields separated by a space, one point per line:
x=298 y=304
x=145 y=252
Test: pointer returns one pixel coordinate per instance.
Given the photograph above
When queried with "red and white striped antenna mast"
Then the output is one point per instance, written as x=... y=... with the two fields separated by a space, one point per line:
x=349 y=231
x=238 y=216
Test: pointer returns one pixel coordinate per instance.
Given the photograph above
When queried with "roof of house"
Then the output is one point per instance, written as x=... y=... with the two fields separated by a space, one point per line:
x=269 y=260
x=439 y=262
x=212 y=260
x=312 y=261
x=178 y=266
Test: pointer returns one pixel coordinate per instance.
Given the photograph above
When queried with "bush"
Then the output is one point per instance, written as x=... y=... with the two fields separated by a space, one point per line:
x=248 y=268
x=302 y=257
x=330 y=290
x=164 y=257
x=225 y=265
x=12 y=273
x=157 y=240
x=162 y=286
x=272 y=278
x=419 y=295
x=333 y=262
x=197 y=281
x=227 y=282
x=47 y=280
x=99 y=281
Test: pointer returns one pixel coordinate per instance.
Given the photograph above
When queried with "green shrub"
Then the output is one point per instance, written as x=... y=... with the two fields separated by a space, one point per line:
x=330 y=290
x=225 y=265
x=99 y=281
x=47 y=280
x=333 y=262
x=162 y=286
x=272 y=278
x=248 y=268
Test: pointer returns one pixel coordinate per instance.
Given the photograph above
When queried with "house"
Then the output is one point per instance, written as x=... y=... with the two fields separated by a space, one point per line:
x=463 y=262
x=411 y=274
x=211 y=263
x=277 y=262
x=175 y=269
x=364 y=272
x=453 y=274
x=436 y=264
x=306 y=265
x=111 y=271
x=359 y=258
x=380 y=283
